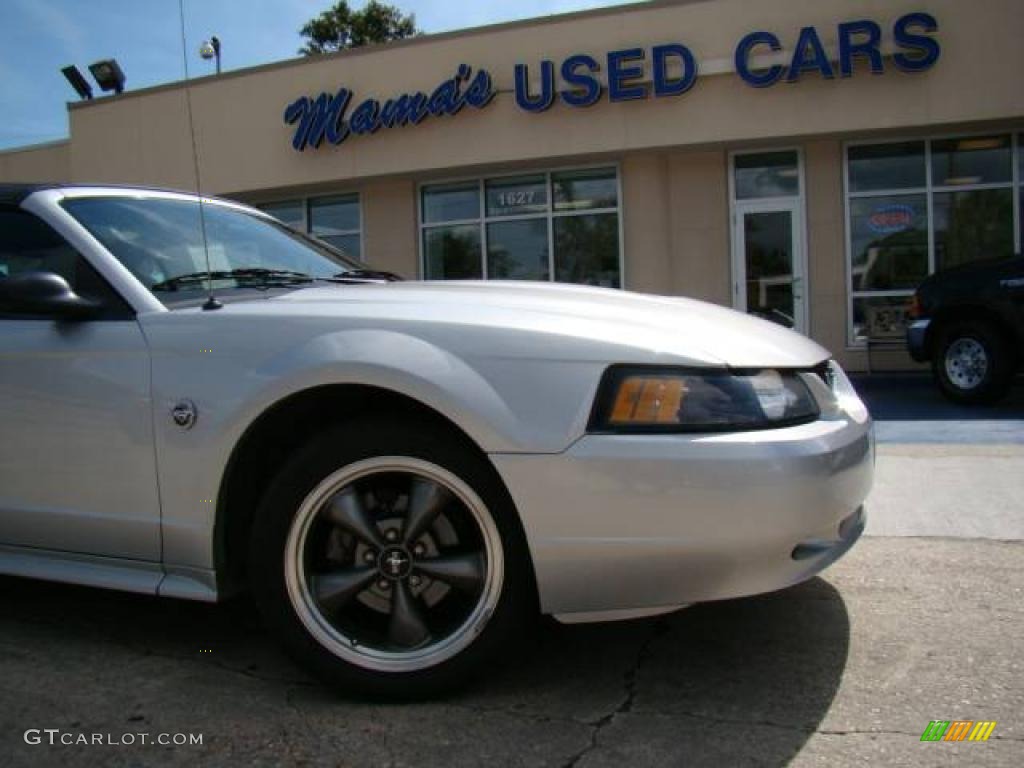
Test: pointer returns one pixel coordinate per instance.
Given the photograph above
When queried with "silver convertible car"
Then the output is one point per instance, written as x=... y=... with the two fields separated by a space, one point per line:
x=195 y=399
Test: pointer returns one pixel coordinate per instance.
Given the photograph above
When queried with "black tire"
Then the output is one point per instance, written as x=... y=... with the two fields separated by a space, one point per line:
x=972 y=363
x=354 y=444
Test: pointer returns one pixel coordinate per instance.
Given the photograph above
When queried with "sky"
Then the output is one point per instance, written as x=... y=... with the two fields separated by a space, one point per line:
x=39 y=37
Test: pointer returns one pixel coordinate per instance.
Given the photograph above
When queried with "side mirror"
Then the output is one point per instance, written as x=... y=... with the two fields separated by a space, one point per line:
x=44 y=294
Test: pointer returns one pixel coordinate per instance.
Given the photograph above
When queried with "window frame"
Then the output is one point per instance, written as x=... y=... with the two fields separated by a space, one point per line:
x=306 y=201
x=929 y=191
x=549 y=214
x=801 y=192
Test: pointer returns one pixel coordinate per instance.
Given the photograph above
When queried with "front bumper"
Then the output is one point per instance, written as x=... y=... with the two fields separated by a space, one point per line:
x=917 y=335
x=623 y=523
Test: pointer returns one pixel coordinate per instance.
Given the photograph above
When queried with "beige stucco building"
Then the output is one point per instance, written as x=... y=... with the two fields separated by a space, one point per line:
x=819 y=198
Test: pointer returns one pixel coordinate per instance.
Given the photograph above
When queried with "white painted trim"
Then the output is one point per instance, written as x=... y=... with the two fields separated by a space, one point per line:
x=796 y=205
x=484 y=253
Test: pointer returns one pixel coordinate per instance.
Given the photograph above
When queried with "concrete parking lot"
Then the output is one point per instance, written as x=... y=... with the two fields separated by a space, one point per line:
x=922 y=621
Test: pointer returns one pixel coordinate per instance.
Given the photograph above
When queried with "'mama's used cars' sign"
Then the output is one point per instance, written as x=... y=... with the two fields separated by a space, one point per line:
x=673 y=72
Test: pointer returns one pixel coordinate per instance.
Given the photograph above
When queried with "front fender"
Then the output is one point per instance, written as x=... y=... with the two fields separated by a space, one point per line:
x=231 y=390
x=400 y=363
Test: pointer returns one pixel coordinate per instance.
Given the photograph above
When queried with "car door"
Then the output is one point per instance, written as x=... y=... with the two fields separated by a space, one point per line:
x=77 y=464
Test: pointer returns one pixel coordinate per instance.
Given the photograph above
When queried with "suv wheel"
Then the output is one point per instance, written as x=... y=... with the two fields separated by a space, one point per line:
x=972 y=363
x=389 y=559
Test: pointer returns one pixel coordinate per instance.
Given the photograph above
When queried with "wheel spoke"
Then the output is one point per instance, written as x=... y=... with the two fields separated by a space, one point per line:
x=346 y=511
x=464 y=572
x=426 y=500
x=332 y=590
x=408 y=628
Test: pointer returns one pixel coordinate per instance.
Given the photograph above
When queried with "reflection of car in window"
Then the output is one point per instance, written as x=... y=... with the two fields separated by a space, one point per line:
x=968 y=321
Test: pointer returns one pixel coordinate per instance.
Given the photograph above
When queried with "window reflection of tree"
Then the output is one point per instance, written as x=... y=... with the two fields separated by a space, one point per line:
x=586 y=249
x=518 y=250
x=454 y=256
x=978 y=225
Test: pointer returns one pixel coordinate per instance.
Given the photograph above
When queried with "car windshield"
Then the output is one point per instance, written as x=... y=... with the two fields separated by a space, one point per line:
x=161 y=241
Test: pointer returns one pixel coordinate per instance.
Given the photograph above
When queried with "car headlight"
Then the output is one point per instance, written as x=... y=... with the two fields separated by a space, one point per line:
x=648 y=399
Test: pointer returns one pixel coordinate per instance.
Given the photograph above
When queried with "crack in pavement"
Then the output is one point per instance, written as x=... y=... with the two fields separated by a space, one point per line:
x=629 y=682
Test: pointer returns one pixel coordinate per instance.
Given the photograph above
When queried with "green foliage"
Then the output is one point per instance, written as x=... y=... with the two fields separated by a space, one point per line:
x=339 y=27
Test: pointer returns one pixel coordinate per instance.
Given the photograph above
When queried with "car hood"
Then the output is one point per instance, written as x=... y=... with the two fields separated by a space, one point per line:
x=651 y=328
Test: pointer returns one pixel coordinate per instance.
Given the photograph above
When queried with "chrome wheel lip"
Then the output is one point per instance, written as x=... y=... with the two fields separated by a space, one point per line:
x=966 y=363
x=349 y=649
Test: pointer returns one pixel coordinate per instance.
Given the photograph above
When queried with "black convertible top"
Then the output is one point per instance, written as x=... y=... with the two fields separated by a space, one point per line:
x=13 y=194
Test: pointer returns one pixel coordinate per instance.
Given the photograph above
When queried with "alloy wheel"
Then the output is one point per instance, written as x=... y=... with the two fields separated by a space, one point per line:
x=393 y=564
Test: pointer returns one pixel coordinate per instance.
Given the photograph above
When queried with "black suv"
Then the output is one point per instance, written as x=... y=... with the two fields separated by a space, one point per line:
x=969 y=322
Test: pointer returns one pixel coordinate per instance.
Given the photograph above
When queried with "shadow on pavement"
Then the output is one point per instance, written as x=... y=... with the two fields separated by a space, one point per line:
x=744 y=681
x=916 y=397
x=736 y=682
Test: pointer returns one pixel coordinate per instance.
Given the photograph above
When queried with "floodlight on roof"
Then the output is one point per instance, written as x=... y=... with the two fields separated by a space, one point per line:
x=78 y=82
x=108 y=75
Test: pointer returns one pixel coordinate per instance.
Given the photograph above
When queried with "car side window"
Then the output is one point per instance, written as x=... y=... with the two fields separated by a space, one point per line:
x=29 y=244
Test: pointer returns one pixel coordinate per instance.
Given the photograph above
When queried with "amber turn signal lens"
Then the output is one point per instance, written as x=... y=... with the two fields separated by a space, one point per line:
x=648 y=400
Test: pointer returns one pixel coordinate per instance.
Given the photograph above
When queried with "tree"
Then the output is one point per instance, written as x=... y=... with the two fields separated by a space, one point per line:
x=339 y=27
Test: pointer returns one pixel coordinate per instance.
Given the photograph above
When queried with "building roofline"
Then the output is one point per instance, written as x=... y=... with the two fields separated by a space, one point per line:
x=437 y=37
x=38 y=145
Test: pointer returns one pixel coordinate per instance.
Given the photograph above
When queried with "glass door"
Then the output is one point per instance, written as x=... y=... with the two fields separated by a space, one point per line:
x=768 y=262
x=766 y=191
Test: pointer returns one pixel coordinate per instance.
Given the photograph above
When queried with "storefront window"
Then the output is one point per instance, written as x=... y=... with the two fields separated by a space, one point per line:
x=518 y=250
x=560 y=226
x=452 y=202
x=975 y=160
x=880 y=317
x=288 y=212
x=587 y=249
x=453 y=253
x=585 y=190
x=889 y=242
x=335 y=219
x=973 y=225
x=916 y=207
x=516 y=196
x=767 y=174
x=877 y=167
